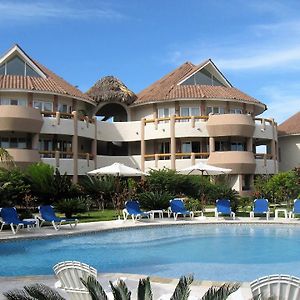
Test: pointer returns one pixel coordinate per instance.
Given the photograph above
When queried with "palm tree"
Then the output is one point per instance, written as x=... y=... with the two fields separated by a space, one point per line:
x=120 y=291
x=6 y=158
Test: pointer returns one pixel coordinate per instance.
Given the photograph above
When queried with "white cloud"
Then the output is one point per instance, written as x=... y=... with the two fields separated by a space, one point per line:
x=30 y=11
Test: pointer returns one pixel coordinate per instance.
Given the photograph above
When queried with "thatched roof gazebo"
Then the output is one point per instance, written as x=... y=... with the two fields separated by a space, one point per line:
x=111 y=89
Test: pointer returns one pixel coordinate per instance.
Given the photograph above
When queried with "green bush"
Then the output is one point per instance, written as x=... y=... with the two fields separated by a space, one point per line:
x=70 y=206
x=155 y=200
x=192 y=204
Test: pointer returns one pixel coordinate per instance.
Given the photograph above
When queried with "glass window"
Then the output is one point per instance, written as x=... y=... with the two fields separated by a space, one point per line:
x=38 y=105
x=5 y=102
x=236 y=111
x=2 y=69
x=196 y=147
x=22 y=143
x=237 y=146
x=186 y=147
x=195 y=111
x=48 y=106
x=184 y=111
x=215 y=110
x=31 y=72
x=15 y=66
x=13 y=143
x=5 y=142
x=22 y=102
x=14 y=102
x=63 y=108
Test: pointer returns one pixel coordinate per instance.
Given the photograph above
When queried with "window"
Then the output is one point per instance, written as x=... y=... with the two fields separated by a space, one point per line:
x=2 y=69
x=64 y=108
x=43 y=105
x=189 y=111
x=20 y=102
x=215 y=110
x=186 y=147
x=221 y=146
x=5 y=142
x=236 y=111
x=237 y=146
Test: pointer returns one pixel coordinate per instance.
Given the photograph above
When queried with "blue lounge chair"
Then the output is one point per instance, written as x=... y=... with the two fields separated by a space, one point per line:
x=9 y=216
x=47 y=214
x=296 y=209
x=260 y=206
x=132 y=208
x=223 y=208
x=177 y=207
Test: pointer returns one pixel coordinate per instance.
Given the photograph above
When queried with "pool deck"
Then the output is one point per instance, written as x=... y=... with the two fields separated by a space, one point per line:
x=160 y=286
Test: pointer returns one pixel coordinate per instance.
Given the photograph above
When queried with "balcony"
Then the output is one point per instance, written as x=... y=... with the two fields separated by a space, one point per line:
x=24 y=157
x=241 y=162
x=20 y=119
x=230 y=125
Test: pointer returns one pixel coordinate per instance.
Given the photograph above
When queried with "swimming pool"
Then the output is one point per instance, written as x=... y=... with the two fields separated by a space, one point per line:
x=210 y=252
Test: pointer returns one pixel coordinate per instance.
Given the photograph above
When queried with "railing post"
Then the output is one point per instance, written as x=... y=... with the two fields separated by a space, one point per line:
x=156 y=160
x=173 y=142
x=57 y=159
x=143 y=144
x=193 y=121
x=193 y=157
x=75 y=147
x=94 y=143
x=57 y=115
x=156 y=123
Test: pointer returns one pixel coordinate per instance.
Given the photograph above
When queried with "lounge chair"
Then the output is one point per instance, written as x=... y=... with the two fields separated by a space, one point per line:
x=260 y=206
x=132 y=208
x=276 y=287
x=223 y=208
x=177 y=207
x=9 y=216
x=296 y=209
x=69 y=274
x=47 y=214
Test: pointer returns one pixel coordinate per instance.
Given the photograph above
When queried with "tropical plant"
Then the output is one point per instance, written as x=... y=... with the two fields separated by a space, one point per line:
x=155 y=200
x=222 y=191
x=48 y=185
x=70 y=206
x=120 y=291
x=13 y=187
x=100 y=189
x=6 y=159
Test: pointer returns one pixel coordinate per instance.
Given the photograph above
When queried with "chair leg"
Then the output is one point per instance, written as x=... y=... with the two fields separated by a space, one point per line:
x=175 y=216
x=192 y=215
x=1 y=226
x=13 y=229
x=55 y=227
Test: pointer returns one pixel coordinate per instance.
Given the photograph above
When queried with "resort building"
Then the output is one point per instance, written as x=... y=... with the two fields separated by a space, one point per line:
x=192 y=114
x=289 y=143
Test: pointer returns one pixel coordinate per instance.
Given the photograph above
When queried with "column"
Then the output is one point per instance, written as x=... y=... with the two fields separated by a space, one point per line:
x=202 y=108
x=30 y=99
x=211 y=144
x=35 y=141
x=173 y=142
x=55 y=103
x=250 y=144
x=143 y=144
x=94 y=143
x=75 y=147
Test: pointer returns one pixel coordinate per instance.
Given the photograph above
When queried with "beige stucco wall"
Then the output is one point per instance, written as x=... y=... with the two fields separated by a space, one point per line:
x=289 y=152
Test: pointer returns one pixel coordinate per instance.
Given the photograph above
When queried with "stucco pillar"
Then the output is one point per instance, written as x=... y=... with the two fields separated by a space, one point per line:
x=173 y=142
x=143 y=144
x=177 y=108
x=30 y=99
x=211 y=144
x=94 y=143
x=35 y=141
x=75 y=147
x=202 y=108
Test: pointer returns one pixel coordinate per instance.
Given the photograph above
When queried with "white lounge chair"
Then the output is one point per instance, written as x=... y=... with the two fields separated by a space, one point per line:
x=69 y=274
x=277 y=287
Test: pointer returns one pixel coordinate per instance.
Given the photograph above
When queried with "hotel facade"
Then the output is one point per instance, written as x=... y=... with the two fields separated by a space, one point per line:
x=192 y=114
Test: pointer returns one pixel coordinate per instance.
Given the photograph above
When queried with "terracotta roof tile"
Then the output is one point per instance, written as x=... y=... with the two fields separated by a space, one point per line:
x=52 y=84
x=167 y=88
x=290 y=126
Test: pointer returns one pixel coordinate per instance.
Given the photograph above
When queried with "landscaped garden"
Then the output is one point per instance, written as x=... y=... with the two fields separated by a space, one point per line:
x=103 y=198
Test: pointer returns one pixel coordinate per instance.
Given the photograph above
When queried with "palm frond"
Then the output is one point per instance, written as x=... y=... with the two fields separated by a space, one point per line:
x=17 y=295
x=42 y=292
x=120 y=291
x=182 y=290
x=221 y=293
x=95 y=289
x=144 y=289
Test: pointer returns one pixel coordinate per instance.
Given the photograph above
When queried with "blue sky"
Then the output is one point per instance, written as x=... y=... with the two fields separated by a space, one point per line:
x=256 y=44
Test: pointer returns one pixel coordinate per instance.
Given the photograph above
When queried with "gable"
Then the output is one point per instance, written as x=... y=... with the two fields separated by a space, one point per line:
x=17 y=62
x=206 y=74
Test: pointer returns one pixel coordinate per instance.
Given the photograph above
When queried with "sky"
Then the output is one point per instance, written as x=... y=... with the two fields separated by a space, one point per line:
x=256 y=44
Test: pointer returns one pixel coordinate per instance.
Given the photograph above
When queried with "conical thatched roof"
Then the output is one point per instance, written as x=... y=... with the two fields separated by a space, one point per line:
x=109 y=88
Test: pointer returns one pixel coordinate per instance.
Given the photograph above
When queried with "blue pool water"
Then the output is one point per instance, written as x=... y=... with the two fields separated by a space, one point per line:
x=210 y=252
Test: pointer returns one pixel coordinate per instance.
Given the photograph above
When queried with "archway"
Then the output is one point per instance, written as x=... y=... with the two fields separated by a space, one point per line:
x=112 y=112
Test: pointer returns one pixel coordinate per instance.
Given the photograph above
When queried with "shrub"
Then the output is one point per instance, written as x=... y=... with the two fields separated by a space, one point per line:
x=192 y=204
x=70 y=206
x=155 y=200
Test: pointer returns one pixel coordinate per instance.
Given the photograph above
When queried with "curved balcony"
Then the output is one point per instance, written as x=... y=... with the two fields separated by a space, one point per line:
x=24 y=157
x=20 y=119
x=241 y=162
x=230 y=125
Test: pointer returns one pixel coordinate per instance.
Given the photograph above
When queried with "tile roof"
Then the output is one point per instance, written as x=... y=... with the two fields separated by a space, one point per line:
x=167 y=88
x=290 y=126
x=52 y=84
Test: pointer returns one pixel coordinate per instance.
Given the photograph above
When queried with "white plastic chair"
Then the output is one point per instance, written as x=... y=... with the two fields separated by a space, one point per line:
x=69 y=274
x=278 y=287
